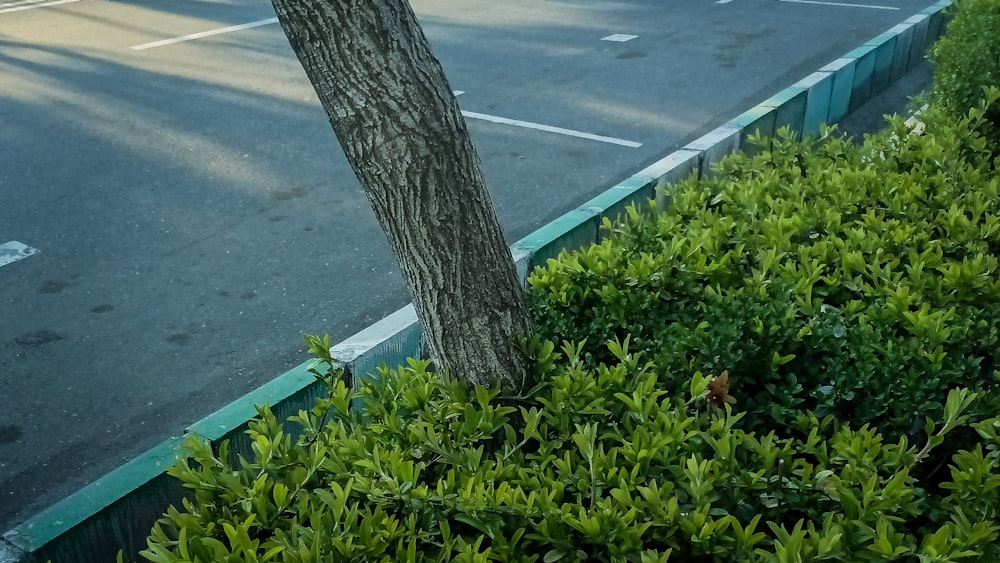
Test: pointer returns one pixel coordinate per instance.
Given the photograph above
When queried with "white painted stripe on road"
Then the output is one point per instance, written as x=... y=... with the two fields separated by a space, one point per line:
x=13 y=251
x=619 y=38
x=31 y=4
x=550 y=129
x=844 y=4
x=209 y=33
x=458 y=92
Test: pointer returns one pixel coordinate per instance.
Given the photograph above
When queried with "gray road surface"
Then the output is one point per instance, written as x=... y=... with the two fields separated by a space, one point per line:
x=194 y=215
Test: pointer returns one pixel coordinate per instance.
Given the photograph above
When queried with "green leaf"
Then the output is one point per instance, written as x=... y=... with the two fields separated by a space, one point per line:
x=475 y=523
x=272 y=553
x=280 y=494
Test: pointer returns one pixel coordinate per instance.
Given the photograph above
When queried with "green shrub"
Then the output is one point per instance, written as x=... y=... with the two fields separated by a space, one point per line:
x=857 y=281
x=595 y=464
x=967 y=60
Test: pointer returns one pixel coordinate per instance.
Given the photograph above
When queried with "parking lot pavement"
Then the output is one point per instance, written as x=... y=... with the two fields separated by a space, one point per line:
x=189 y=214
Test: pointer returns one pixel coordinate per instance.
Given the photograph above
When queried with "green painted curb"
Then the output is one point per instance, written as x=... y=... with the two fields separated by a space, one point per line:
x=675 y=167
x=843 y=85
x=901 y=63
x=790 y=105
x=714 y=146
x=136 y=491
x=612 y=203
x=232 y=418
x=885 y=52
x=756 y=121
x=572 y=230
x=918 y=46
x=864 y=71
x=819 y=93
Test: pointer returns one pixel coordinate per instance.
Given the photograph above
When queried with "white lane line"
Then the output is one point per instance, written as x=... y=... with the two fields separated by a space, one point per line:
x=31 y=4
x=844 y=4
x=458 y=92
x=208 y=33
x=723 y=1
x=619 y=38
x=13 y=251
x=550 y=129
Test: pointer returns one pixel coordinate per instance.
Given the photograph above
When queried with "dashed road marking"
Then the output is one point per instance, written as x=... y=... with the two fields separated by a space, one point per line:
x=468 y=114
x=619 y=38
x=209 y=33
x=550 y=129
x=843 y=4
x=547 y=128
x=13 y=251
x=18 y=5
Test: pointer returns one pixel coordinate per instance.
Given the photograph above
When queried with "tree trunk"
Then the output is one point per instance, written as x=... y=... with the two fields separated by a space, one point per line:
x=399 y=124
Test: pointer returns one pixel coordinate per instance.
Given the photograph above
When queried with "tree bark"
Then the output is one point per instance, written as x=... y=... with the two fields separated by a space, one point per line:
x=399 y=124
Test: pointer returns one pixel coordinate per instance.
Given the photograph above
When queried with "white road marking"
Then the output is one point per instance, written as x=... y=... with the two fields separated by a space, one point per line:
x=844 y=4
x=619 y=38
x=30 y=5
x=208 y=33
x=550 y=129
x=723 y=1
x=468 y=114
x=13 y=251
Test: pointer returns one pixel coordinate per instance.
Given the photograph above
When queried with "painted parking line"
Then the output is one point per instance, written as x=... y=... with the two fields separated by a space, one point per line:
x=842 y=4
x=13 y=251
x=468 y=114
x=209 y=33
x=619 y=37
x=550 y=129
x=17 y=6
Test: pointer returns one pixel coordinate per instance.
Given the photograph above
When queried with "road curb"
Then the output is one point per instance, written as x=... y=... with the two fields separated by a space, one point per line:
x=118 y=510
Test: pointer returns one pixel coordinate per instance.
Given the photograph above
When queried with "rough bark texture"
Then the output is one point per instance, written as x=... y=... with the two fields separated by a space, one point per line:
x=399 y=124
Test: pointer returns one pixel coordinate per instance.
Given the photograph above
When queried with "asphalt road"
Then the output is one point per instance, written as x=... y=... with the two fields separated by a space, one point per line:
x=194 y=215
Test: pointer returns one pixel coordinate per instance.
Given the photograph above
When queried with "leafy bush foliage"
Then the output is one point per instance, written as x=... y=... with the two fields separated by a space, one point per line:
x=857 y=281
x=595 y=464
x=967 y=60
